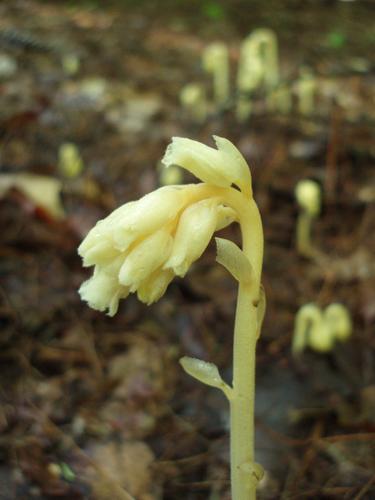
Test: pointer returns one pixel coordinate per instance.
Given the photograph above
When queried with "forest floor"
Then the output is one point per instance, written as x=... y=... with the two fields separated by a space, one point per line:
x=94 y=407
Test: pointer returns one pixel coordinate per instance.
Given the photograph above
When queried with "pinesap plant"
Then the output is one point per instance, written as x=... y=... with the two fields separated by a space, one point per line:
x=142 y=245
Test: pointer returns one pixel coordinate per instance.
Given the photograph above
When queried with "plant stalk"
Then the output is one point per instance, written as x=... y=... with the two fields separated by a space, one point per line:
x=303 y=237
x=242 y=402
x=244 y=472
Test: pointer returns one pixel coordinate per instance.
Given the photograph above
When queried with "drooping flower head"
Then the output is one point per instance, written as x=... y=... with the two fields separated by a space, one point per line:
x=143 y=244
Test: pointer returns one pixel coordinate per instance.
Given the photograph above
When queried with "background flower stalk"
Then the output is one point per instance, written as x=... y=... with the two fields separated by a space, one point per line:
x=142 y=245
x=215 y=60
x=258 y=64
x=194 y=101
x=308 y=196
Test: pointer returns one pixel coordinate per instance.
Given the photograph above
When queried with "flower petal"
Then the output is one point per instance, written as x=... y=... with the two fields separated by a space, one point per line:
x=149 y=214
x=100 y=252
x=145 y=258
x=103 y=292
x=240 y=168
x=197 y=158
x=103 y=227
x=155 y=286
x=222 y=167
x=225 y=216
x=194 y=231
x=134 y=220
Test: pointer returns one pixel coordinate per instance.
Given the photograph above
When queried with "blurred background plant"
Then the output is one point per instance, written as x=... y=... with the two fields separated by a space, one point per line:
x=320 y=330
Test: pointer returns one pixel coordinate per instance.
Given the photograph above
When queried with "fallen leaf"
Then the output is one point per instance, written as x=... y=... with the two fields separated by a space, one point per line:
x=43 y=191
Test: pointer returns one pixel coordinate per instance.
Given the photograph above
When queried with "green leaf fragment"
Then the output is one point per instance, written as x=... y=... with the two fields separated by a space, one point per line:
x=66 y=472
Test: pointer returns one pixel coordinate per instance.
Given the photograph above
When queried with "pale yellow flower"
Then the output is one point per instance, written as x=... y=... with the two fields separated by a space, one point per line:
x=131 y=221
x=143 y=244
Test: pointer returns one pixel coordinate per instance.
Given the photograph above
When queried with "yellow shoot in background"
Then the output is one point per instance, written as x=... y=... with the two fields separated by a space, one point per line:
x=70 y=162
x=215 y=60
x=309 y=199
x=258 y=64
x=306 y=88
x=142 y=245
x=194 y=101
x=320 y=330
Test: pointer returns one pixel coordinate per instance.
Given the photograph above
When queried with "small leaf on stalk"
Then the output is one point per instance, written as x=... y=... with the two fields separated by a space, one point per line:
x=234 y=260
x=205 y=372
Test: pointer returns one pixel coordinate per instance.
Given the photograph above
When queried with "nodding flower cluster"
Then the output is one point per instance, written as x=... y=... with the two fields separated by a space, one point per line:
x=143 y=244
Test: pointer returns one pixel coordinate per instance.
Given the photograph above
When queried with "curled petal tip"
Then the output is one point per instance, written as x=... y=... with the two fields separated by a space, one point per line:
x=155 y=286
x=102 y=293
x=239 y=166
x=221 y=167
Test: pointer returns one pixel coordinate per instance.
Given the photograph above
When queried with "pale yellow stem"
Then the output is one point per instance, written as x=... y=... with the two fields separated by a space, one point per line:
x=244 y=472
x=242 y=403
x=243 y=469
x=303 y=234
